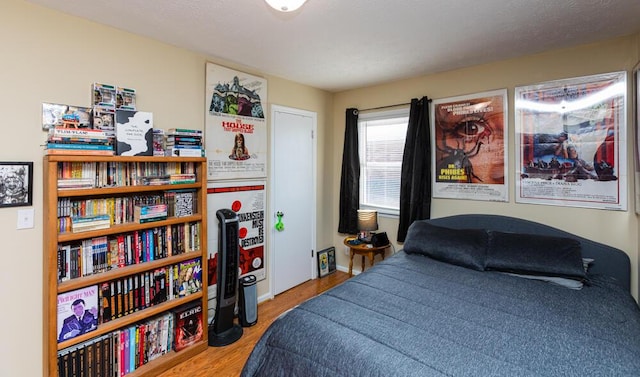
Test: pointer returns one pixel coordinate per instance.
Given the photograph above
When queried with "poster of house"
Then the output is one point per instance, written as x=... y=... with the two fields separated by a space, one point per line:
x=571 y=142
x=248 y=200
x=235 y=124
x=469 y=143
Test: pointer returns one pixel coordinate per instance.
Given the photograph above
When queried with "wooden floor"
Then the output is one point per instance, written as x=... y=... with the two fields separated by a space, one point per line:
x=228 y=360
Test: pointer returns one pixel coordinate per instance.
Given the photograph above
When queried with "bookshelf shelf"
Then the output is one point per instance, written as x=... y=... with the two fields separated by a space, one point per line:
x=111 y=271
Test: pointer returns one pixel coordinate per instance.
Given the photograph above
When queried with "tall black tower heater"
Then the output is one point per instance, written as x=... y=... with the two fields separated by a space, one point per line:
x=223 y=331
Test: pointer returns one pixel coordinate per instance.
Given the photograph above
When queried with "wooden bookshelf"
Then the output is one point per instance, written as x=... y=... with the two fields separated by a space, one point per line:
x=53 y=238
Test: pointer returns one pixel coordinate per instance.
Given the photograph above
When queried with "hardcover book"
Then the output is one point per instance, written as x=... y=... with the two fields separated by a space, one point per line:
x=77 y=312
x=134 y=133
x=189 y=277
x=188 y=326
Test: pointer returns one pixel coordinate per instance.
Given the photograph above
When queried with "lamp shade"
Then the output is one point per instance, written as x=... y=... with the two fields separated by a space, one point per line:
x=367 y=220
x=285 y=5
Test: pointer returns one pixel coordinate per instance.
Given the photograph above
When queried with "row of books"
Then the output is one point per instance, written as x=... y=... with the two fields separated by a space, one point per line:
x=76 y=214
x=99 y=254
x=118 y=174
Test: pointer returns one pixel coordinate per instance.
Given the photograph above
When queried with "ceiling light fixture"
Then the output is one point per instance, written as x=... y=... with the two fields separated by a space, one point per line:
x=285 y=5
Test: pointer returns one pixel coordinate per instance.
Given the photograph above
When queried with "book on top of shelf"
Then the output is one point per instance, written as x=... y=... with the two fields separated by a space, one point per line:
x=80 y=147
x=77 y=132
x=184 y=131
x=77 y=140
x=189 y=277
x=189 y=328
x=182 y=152
x=134 y=133
x=77 y=152
x=77 y=312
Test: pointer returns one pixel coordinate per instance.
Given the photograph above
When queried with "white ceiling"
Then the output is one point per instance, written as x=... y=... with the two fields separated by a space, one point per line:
x=343 y=44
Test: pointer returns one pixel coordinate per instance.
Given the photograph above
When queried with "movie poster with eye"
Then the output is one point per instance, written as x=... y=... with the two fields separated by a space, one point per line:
x=469 y=141
x=235 y=124
x=571 y=142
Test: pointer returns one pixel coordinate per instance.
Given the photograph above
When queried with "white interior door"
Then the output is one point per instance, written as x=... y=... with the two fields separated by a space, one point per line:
x=293 y=194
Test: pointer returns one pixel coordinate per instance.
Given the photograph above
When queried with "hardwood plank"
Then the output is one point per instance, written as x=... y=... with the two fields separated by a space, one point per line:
x=229 y=360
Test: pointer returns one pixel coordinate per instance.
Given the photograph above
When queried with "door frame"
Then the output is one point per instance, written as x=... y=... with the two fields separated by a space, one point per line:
x=272 y=189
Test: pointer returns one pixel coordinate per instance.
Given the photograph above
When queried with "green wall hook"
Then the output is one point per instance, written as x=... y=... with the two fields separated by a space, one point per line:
x=279 y=224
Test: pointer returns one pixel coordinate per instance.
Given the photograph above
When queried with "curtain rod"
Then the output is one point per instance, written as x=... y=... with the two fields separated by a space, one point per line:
x=388 y=106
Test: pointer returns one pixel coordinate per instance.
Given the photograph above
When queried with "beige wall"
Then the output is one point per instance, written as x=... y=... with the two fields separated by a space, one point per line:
x=51 y=57
x=616 y=228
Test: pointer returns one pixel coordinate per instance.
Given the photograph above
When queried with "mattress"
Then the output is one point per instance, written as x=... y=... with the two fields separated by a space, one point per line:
x=411 y=315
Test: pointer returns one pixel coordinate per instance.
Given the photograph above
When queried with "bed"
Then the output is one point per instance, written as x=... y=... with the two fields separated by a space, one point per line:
x=469 y=295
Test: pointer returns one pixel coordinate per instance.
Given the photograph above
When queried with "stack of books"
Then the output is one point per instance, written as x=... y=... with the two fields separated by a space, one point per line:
x=176 y=179
x=86 y=223
x=184 y=143
x=149 y=213
x=78 y=141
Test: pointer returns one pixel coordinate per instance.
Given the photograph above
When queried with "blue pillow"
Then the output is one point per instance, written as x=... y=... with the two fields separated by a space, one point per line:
x=462 y=247
x=535 y=255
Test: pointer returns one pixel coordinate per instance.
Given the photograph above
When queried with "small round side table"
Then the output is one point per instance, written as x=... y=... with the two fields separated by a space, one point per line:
x=365 y=250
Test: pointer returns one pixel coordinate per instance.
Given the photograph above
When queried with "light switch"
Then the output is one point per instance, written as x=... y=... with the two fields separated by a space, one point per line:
x=25 y=218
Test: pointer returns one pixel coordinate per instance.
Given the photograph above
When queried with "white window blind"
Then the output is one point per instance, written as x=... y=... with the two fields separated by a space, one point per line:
x=381 y=143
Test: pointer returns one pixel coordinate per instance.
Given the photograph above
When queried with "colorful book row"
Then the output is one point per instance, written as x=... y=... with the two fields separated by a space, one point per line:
x=109 y=174
x=100 y=254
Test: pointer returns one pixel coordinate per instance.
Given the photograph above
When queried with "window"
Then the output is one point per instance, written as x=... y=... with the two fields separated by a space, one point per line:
x=381 y=142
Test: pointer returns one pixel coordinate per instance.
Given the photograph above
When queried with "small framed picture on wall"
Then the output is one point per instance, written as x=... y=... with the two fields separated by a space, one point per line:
x=16 y=184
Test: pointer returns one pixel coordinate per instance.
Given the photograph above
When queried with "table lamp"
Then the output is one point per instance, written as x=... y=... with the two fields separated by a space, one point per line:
x=367 y=221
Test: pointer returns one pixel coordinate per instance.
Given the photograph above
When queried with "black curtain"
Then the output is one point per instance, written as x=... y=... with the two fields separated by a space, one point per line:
x=415 y=179
x=350 y=178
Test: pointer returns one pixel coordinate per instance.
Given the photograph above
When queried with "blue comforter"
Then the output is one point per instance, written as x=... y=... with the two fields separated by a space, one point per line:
x=414 y=316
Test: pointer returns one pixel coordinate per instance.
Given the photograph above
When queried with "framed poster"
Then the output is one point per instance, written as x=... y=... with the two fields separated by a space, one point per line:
x=469 y=142
x=571 y=142
x=323 y=263
x=248 y=200
x=235 y=124
x=16 y=184
x=326 y=261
